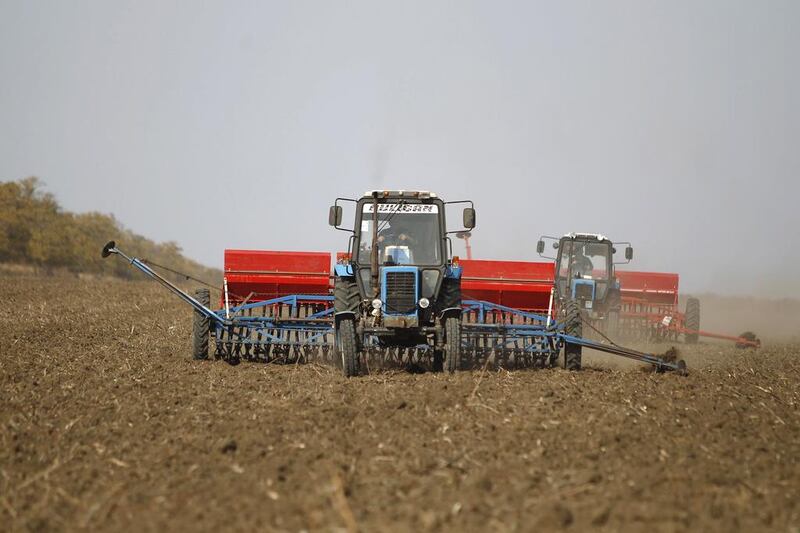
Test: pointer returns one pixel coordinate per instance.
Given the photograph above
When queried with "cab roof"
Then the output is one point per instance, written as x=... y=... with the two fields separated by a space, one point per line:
x=400 y=194
x=586 y=236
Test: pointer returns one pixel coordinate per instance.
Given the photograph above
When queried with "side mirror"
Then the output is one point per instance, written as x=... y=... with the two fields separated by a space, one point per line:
x=540 y=247
x=555 y=246
x=469 y=217
x=629 y=253
x=335 y=216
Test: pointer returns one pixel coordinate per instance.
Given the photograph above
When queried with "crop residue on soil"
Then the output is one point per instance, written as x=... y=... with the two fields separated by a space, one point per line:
x=107 y=425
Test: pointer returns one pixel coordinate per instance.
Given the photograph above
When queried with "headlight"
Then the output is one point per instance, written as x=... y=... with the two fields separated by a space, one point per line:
x=424 y=303
x=377 y=303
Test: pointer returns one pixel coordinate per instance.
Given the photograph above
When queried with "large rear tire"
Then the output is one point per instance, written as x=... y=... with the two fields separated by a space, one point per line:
x=573 y=326
x=692 y=320
x=347 y=347
x=452 y=339
x=345 y=295
x=449 y=294
x=201 y=327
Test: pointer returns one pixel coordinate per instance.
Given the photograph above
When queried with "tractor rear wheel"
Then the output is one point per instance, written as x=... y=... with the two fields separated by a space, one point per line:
x=345 y=295
x=201 y=327
x=573 y=326
x=452 y=338
x=692 y=320
x=346 y=346
x=449 y=294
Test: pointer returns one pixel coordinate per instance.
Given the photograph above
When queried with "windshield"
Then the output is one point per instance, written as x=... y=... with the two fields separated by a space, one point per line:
x=408 y=234
x=587 y=260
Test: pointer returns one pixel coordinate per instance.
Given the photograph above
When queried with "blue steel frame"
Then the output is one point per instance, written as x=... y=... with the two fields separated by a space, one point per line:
x=533 y=336
x=258 y=330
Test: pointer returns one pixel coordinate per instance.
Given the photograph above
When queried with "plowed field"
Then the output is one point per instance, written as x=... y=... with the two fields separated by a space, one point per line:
x=106 y=424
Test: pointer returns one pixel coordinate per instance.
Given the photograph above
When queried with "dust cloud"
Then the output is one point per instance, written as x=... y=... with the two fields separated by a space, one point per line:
x=772 y=320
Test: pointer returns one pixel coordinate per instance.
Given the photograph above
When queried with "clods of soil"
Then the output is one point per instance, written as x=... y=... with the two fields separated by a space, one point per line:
x=107 y=424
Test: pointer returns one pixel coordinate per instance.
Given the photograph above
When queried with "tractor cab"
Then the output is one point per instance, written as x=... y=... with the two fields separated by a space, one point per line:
x=585 y=270
x=399 y=252
x=407 y=233
x=584 y=267
x=400 y=237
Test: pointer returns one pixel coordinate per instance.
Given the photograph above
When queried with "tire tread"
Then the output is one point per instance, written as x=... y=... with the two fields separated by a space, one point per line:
x=201 y=327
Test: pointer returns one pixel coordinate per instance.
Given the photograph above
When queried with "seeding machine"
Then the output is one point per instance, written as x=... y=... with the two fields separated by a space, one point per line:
x=397 y=295
x=620 y=303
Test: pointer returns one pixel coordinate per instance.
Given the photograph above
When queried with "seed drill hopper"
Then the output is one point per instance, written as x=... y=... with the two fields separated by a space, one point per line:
x=395 y=297
x=650 y=311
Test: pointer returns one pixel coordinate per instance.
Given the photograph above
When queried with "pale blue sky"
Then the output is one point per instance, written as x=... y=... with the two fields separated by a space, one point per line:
x=235 y=124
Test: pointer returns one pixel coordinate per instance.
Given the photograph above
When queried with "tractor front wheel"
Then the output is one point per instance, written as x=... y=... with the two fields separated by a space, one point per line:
x=452 y=338
x=573 y=326
x=347 y=347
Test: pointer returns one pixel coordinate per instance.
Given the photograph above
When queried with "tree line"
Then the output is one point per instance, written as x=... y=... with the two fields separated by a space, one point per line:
x=35 y=230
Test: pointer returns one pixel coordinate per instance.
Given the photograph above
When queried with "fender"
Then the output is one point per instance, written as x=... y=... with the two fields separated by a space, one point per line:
x=450 y=312
x=342 y=315
x=452 y=272
x=344 y=270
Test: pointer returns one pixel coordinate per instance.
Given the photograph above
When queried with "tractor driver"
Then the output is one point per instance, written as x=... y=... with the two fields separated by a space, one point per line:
x=581 y=265
x=396 y=235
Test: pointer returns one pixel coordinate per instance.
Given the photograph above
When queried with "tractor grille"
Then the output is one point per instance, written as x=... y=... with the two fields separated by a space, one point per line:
x=583 y=291
x=401 y=292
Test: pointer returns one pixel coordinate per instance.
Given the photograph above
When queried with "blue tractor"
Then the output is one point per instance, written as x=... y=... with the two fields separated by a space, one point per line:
x=399 y=286
x=586 y=286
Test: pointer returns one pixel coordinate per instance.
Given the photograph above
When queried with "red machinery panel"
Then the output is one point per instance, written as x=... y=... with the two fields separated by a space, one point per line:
x=657 y=288
x=519 y=284
x=269 y=274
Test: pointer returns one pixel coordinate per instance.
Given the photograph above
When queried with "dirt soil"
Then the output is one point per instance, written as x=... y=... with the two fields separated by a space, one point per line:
x=106 y=424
